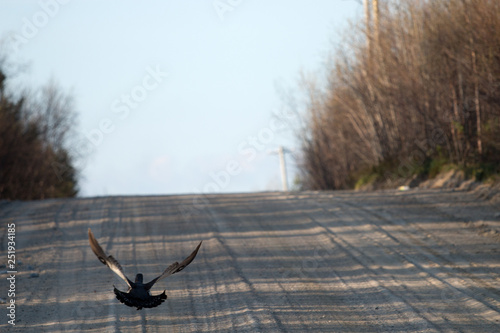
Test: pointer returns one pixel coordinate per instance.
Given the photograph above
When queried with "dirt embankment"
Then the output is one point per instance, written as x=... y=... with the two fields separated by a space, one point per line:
x=452 y=179
x=455 y=179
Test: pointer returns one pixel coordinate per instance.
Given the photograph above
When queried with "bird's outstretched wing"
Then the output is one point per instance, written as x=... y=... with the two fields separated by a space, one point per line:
x=109 y=261
x=174 y=268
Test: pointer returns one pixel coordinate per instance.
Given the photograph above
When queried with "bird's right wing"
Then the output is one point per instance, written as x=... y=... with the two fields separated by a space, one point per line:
x=175 y=267
x=109 y=261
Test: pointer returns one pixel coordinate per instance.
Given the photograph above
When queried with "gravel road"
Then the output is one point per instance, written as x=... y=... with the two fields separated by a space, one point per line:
x=385 y=261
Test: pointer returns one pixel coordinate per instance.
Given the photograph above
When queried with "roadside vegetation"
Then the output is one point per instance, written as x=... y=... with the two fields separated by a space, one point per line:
x=413 y=90
x=35 y=133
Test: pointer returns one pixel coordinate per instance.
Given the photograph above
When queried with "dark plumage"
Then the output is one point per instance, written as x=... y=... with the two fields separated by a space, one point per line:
x=138 y=294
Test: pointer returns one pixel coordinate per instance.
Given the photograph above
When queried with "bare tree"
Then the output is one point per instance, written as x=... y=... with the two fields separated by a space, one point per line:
x=35 y=159
x=416 y=80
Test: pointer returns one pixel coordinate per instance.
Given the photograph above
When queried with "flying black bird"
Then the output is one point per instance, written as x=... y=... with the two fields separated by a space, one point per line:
x=138 y=294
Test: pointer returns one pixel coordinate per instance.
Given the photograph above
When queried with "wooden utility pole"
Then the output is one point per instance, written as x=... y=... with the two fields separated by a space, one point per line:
x=372 y=14
x=366 y=7
x=284 y=178
x=375 y=22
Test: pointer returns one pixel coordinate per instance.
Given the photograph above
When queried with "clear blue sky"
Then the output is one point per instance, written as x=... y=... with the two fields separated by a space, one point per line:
x=175 y=96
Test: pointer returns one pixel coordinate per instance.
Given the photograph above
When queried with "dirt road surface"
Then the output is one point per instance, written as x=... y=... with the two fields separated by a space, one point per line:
x=419 y=261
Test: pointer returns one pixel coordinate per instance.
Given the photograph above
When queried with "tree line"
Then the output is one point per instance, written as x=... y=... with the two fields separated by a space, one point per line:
x=415 y=82
x=35 y=134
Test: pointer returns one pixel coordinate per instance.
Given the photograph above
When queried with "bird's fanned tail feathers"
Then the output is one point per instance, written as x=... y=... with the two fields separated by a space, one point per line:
x=150 y=302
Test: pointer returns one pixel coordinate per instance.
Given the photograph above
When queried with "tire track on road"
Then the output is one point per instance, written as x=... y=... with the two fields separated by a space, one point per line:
x=372 y=279
x=255 y=310
x=461 y=282
x=295 y=262
x=413 y=254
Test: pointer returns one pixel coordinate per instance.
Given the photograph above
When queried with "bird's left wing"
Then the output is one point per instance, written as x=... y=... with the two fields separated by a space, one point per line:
x=109 y=261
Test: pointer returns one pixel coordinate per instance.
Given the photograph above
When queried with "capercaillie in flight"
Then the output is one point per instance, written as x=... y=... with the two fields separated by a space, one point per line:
x=138 y=294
